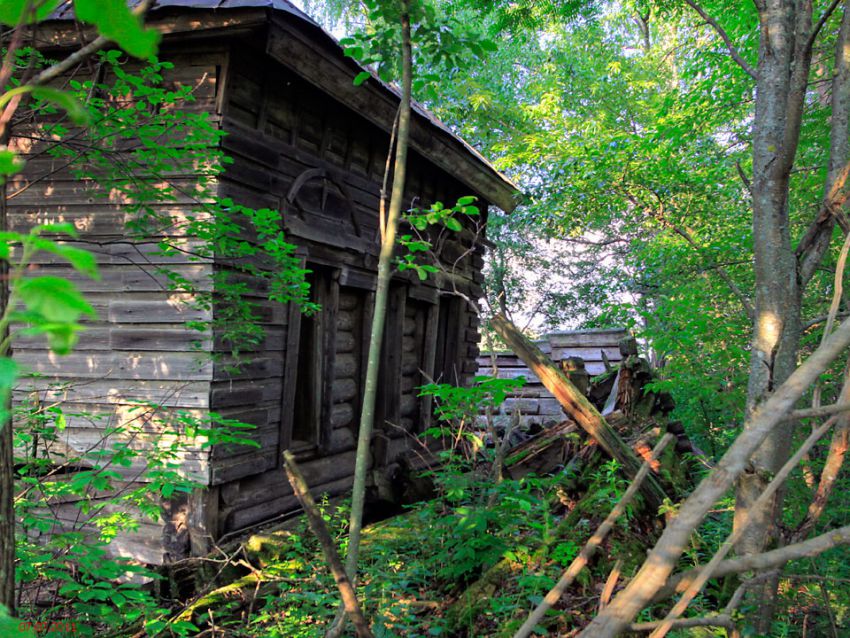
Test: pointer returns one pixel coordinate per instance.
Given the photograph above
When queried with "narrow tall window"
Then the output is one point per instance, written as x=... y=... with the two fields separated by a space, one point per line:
x=309 y=378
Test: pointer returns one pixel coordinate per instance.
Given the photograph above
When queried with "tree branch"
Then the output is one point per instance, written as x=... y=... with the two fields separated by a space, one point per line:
x=764 y=498
x=592 y=544
x=822 y=21
x=773 y=559
x=317 y=524
x=53 y=72
x=662 y=559
x=733 y=50
x=815 y=242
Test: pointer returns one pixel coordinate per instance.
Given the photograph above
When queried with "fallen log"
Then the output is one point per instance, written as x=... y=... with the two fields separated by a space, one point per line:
x=577 y=407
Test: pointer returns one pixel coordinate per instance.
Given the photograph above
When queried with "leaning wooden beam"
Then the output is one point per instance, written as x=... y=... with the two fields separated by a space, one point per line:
x=661 y=561
x=577 y=406
x=592 y=544
x=759 y=562
x=317 y=524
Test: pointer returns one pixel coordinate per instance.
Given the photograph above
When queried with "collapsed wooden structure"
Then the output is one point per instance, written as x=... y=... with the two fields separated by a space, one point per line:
x=594 y=351
x=305 y=141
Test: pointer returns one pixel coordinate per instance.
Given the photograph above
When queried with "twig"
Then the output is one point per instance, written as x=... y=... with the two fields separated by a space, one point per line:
x=610 y=584
x=759 y=562
x=822 y=21
x=317 y=524
x=824 y=410
x=592 y=544
x=712 y=620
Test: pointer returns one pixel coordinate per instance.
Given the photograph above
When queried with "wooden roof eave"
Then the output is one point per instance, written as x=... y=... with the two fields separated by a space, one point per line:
x=170 y=21
x=306 y=49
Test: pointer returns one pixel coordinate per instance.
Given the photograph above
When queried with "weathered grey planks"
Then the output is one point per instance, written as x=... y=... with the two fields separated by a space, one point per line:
x=533 y=402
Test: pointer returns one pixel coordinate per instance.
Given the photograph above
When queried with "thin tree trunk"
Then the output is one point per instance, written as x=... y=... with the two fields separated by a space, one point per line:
x=7 y=460
x=367 y=415
x=783 y=69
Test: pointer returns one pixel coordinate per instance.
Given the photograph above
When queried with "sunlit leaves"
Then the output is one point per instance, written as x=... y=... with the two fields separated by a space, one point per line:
x=8 y=372
x=64 y=100
x=10 y=163
x=115 y=20
x=13 y=12
x=53 y=306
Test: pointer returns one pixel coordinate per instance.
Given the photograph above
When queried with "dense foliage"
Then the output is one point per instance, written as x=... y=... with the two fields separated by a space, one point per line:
x=629 y=128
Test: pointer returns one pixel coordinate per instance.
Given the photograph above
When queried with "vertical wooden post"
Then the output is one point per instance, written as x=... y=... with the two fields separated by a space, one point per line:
x=429 y=357
x=289 y=379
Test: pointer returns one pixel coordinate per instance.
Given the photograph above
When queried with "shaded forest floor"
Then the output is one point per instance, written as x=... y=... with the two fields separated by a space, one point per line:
x=476 y=560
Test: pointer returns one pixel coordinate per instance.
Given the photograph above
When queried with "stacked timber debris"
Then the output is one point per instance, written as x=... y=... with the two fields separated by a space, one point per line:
x=561 y=400
x=610 y=415
x=593 y=351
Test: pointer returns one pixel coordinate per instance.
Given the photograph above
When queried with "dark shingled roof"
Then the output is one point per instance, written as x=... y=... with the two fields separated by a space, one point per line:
x=65 y=12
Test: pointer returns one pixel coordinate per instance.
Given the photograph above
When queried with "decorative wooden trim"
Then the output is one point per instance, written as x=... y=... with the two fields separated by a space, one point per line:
x=328 y=70
x=356 y=278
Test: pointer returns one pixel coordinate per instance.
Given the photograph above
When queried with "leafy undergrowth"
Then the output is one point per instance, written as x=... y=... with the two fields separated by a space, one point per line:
x=471 y=563
x=474 y=562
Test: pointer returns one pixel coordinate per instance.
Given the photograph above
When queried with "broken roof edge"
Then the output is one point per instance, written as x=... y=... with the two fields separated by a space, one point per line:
x=500 y=190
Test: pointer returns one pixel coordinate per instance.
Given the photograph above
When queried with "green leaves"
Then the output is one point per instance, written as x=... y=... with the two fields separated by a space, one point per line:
x=361 y=78
x=54 y=298
x=10 y=163
x=64 y=100
x=115 y=20
x=53 y=307
x=14 y=12
x=82 y=260
x=8 y=372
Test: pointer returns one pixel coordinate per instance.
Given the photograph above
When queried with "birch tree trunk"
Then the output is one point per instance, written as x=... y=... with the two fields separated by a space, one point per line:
x=367 y=416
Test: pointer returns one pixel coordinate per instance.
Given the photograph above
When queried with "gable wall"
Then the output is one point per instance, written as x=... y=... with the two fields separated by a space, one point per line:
x=138 y=348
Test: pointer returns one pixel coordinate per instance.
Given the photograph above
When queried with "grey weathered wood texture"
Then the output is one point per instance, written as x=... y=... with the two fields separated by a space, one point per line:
x=533 y=402
x=306 y=142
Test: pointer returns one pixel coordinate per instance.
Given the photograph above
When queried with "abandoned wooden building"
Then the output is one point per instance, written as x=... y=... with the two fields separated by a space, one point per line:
x=308 y=142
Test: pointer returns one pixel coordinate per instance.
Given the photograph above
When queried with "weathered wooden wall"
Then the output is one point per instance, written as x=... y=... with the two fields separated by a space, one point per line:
x=295 y=149
x=534 y=403
x=299 y=151
x=138 y=348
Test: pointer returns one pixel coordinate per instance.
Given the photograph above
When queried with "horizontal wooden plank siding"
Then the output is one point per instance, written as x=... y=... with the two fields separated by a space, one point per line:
x=534 y=404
